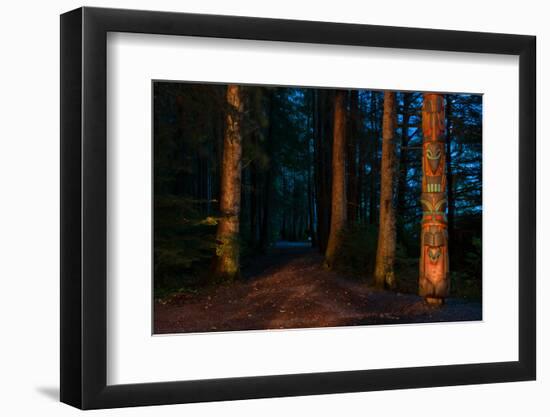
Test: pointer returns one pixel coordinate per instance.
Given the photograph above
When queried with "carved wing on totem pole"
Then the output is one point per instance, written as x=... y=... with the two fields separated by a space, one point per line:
x=434 y=282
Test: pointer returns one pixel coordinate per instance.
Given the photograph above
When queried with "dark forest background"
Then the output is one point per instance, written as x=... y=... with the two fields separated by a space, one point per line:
x=286 y=180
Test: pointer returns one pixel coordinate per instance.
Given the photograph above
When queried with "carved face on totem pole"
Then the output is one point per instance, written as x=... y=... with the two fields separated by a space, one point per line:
x=434 y=242
x=434 y=264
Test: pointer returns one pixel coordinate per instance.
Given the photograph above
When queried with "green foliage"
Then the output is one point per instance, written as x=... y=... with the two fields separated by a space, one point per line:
x=466 y=282
x=357 y=257
x=184 y=243
x=473 y=258
x=464 y=286
x=358 y=250
x=280 y=170
x=406 y=271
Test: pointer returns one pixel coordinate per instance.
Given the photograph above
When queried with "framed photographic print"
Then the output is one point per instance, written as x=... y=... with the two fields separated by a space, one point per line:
x=257 y=208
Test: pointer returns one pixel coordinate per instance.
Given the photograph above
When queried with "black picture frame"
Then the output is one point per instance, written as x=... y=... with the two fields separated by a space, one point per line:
x=84 y=207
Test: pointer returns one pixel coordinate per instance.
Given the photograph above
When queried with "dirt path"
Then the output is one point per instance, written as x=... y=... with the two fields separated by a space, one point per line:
x=290 y=289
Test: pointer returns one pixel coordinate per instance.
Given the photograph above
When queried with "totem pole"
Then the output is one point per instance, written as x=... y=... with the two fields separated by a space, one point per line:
x=434 y=282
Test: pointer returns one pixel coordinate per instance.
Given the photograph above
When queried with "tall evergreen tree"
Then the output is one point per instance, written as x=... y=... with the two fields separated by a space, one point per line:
x=225 y=265
x=339 y=204
x=385 y=255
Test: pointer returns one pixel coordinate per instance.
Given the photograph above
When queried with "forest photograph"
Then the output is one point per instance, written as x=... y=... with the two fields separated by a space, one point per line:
x=286 y=207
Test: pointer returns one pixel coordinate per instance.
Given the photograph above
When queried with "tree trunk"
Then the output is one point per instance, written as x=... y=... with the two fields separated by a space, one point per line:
x=403 y=171
x=434 y=279
x=403 y=160
x=284 y=209
x=339 y=205
x=219 y=123
x=254 y=198
x=362 y=172
x=374 y=158
x=352 y=193
x=385 y=254
x=321 y=158
x=225 y=265
x=450 y=182
x=310 y=179
x=265 y=229
x=317 y=168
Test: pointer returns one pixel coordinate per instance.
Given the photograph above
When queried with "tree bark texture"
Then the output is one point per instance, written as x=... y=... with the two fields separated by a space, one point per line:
x=385 y=253
x=352 y=194
x=338 y=201
x=374 y=163
x=434 y=282
x=226 y=261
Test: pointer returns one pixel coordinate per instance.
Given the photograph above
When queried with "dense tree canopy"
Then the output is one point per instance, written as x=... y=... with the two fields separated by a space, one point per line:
x=286 y=178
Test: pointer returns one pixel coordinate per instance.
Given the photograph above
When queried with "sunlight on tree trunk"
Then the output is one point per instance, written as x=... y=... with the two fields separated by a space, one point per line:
x=339 y=203
x=353 y=180
x=313 y=196
x=385 y=254
x=434 y=279
x=225 y=264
